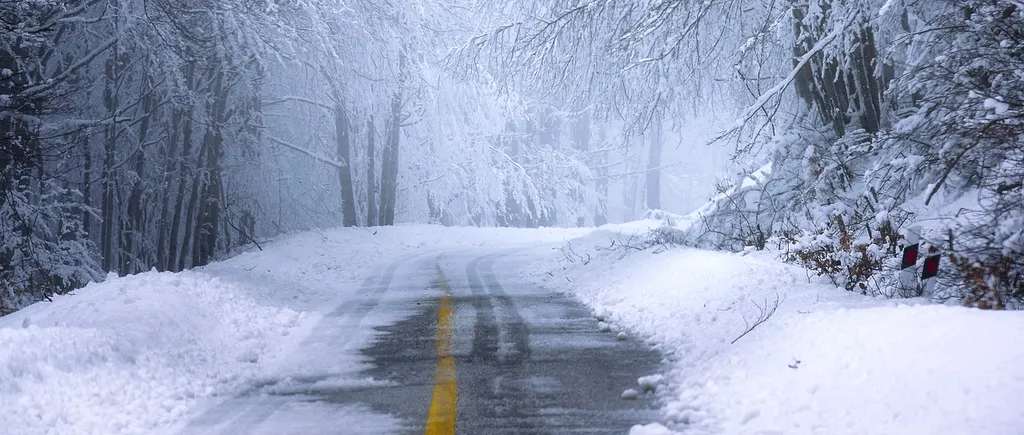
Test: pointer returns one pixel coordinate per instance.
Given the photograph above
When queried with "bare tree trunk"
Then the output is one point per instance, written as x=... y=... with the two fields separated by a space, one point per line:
x=631 y=184
x=581 y=137
x=389 y=165
x=208 y=221
x=170 y=166
x=548 y=134
x=601 y=187
x=132 y=256
x=371 y=175
x=110 y=100
x=187 y=242
x=513 y=215
x=87 y=185
x=389 y=162
x=174 y=252
x=654 y=166
x=529 y=138
x=869 y=91
x=342 y=129
x=601 y=183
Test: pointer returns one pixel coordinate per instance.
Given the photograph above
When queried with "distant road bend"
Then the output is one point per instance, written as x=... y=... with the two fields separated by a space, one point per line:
x=484 y=352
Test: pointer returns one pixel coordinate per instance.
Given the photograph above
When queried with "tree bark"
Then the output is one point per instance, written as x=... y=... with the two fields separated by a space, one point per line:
x=187 y=245
x=601 y=183
x=175 y=253
x=389 y=162
x=342 y=129
x=389 y=165
x=208 y=221
x=581 y=137
x=371 y=175
x=132 y=256
x=171 y=165
x=110 y=100
x=86 y=185
x=514 y=215
x=654 y=166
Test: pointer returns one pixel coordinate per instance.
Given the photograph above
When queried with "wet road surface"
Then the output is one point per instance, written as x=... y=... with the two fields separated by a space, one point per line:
x=478 y=350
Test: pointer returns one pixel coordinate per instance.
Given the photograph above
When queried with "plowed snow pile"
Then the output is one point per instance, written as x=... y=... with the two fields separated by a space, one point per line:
x=131 y=353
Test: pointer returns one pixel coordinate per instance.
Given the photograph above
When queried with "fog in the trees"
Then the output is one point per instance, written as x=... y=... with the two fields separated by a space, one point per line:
x=141 y=134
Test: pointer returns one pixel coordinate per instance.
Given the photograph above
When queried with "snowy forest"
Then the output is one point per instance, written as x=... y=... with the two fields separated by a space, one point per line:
x=165 y=134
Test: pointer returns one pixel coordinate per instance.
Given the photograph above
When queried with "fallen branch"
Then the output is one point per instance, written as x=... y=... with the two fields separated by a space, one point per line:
x=764 y=313
x=570 y=254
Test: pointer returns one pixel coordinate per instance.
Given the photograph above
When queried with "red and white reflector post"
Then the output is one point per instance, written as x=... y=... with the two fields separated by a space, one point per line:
x=930 y=270
x=908 y=279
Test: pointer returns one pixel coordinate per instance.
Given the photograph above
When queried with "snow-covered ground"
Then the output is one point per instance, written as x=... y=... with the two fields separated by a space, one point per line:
x=826 y=362
x=143 y=353
x=131 y=353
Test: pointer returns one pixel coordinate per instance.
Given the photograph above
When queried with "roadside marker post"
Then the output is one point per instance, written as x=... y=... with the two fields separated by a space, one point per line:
x=908 y=279
x=930 y=270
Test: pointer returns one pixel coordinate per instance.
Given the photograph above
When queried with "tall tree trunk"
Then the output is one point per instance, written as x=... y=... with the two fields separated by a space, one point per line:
x=548 y=134
x=342 y=129
x=389 y=162
x=171 y=165
x=601 y=183
x=86 y=185
x=514 y=215
x=581 y=138
x=654 y=166
x=133 y=259
x=371 y=176
x=631 y=185
x=389 y=165
x=187 y=242
x=133 y=255
x=869 y=91
x=174 y=252
x=107 y=204
x=110 y=100
x=601 y=188
x=208 y=221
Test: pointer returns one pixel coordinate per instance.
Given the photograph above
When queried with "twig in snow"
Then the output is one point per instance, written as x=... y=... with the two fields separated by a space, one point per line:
x=764 y=313
x=570 y=254
x=244 y=234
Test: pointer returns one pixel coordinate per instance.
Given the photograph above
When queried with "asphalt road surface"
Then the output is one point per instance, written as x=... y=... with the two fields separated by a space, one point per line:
x=479 y=351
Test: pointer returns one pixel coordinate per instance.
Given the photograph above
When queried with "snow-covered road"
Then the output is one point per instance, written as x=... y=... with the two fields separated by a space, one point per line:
x=524 y=360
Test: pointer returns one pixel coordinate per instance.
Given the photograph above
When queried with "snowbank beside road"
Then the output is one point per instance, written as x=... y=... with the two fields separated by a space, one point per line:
x=131 y=353
x=827 y=361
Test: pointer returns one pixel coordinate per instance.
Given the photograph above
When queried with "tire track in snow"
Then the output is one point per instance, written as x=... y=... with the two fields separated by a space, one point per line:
x=497 y=361
x=245 y=412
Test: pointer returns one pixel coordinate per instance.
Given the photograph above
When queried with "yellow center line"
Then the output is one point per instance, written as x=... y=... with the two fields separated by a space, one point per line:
x=441 y=418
